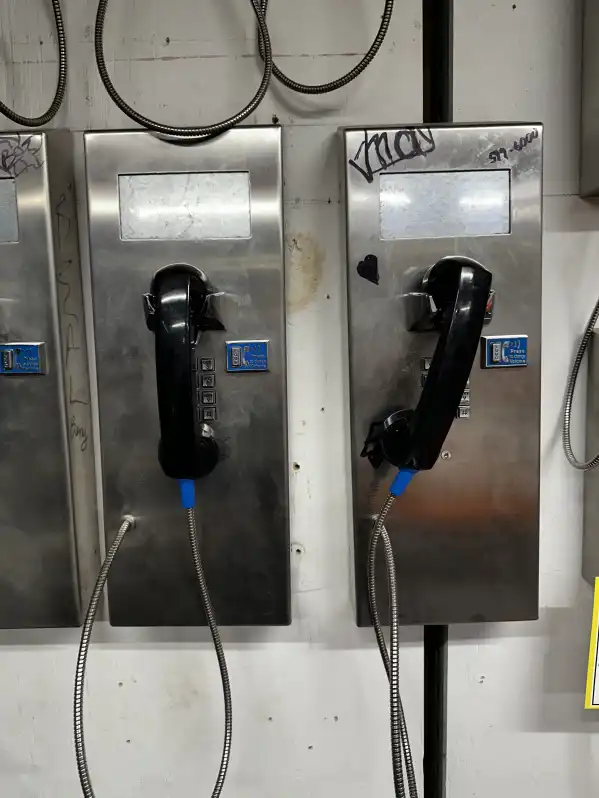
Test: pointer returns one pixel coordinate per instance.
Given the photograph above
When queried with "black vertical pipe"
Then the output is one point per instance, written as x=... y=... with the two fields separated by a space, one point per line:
x=437 y=58
x=437 y=108
x=435 y=711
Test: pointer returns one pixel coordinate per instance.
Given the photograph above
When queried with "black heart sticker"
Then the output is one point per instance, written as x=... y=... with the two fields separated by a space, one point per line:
x=369 y=269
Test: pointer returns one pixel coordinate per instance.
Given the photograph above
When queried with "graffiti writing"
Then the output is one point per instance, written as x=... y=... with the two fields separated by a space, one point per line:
x=496 y=156
x=381 y=150
x=73 y=340
x=79 y=433
x=18 y=154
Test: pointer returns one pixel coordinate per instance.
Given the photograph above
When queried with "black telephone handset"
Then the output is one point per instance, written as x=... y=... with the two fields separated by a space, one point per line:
x=178 y=309
x=459 y=288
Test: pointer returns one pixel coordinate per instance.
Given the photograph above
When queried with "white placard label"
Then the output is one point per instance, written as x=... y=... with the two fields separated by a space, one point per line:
x=185 y=206
x=9 y=221
x=445 y=204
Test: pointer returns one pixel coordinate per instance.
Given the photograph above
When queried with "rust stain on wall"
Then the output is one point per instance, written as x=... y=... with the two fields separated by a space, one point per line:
x=305 y=266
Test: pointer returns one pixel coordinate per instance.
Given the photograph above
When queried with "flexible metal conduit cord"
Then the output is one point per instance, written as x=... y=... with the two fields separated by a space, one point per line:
x=400 y=740
x=44 y=119
x=82 y=765
x=581 y=465
x=325 y=88
x=200 y=131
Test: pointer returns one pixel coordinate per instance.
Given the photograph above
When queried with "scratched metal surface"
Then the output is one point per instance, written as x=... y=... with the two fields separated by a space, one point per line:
x=242 y=506
x=466 y=533
x=589 y=163
x=38 y=585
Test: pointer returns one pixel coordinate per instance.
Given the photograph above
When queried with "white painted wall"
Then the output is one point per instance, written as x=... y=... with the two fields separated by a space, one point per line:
x=310 y=701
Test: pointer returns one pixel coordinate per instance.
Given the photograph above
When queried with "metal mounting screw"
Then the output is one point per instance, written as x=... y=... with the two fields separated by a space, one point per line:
x=446 y=455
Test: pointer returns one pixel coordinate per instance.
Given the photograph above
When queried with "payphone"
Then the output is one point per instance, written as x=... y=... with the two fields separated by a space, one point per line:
x=44 y=384
x=197 y=229
x=48 y=528
x=47 y=468
x=211 y=213
x=196 y=233
x=444 y=292
x=433 y=215
x=191 y=237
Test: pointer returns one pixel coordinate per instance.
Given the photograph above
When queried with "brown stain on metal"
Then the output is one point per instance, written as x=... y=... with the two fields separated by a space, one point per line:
x=305 y=267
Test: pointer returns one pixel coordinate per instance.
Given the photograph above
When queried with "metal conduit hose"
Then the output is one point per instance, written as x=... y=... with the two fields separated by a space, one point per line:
x=260 y=8
x=400 y=741
x=46 y=118
x=581 y=465
x=80 y=751
x=325 y=88
x=192 y=132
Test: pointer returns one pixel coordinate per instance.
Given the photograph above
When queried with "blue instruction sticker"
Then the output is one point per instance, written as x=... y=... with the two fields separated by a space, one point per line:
x=504 y=351
x=20 y=359
x=247 y=356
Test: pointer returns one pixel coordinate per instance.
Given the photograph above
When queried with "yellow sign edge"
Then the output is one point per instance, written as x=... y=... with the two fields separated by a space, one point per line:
x=593 y=668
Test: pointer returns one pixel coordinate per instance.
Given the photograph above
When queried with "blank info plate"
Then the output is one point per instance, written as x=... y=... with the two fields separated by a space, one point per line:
x=445 y=204
x=9 y=224
x=185 y=207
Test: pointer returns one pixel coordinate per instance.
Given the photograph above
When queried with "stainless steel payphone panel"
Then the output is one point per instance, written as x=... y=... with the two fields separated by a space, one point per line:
x=216 y=205
x=589 y=119
x=45 y=428
x=465 y=533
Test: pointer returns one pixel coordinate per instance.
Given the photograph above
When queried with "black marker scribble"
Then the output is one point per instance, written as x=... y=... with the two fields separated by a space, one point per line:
x=72 y=327
x=18 y=154
x=64 y=221
x=496 y=156
x=73 y=399
x=79 y=433
x=381 y=150
x=60 y=279
x=71 y=343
